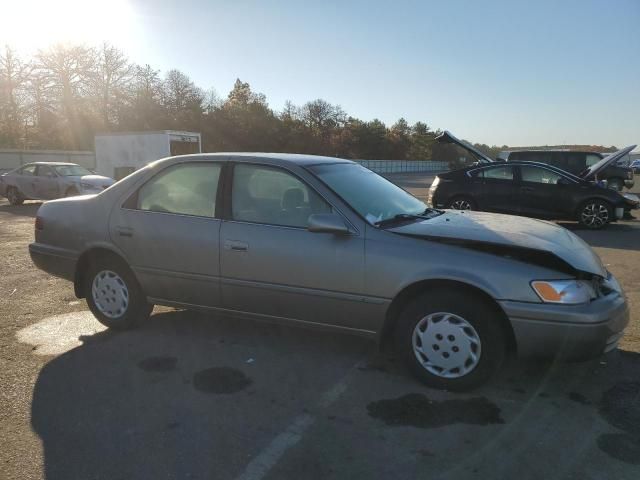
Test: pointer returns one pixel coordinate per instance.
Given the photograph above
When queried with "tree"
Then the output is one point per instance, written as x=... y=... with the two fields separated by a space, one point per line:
x=109 y=82
x=66 y=72
x=14 y=79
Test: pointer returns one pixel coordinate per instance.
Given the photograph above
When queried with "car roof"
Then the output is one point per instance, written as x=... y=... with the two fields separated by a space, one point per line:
x=52 y=164
x=274 y=158
x=553 y=150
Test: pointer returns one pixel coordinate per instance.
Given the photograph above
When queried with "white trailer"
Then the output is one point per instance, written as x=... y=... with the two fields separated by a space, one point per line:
x=119 y=154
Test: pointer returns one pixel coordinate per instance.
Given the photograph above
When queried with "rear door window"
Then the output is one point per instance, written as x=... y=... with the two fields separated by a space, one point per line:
x=187 y=189
x=29 y=170
x=497 y=173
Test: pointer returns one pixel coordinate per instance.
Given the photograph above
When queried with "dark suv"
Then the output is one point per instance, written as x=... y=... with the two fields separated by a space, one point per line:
x=617 y=176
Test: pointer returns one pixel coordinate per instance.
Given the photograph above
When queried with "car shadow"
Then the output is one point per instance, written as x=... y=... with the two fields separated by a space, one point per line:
x=181 y=396
x=28 y=209
x=190 y=395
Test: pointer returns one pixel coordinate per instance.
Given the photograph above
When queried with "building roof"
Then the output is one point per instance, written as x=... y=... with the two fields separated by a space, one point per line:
x=149 y=132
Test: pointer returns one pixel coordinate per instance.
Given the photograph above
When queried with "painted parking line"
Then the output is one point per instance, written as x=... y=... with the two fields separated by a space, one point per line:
x=262 y=463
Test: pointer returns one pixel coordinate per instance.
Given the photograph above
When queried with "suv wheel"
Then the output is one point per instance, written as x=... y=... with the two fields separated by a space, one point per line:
x=461 y=203
x=595 y=214
x=113 y=294
x=451 y=340
x=14 y=196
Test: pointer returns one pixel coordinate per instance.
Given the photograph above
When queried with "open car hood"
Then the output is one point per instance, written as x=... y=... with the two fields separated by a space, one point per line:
x=592 y=172
x=448 y=137
x=525 y=239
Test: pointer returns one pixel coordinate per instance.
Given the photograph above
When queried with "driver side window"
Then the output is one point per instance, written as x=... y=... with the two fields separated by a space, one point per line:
x=539 y=175
x=272 y=196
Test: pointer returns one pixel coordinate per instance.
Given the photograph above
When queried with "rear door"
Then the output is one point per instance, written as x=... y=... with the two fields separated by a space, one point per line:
x=498 y=190
x=24 y=180
x=542 y=193
x=169 y=231
x=45 y=183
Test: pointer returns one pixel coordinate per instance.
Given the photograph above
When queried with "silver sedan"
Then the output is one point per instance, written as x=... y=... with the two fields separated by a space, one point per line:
x=324 y=242
x=49 y=180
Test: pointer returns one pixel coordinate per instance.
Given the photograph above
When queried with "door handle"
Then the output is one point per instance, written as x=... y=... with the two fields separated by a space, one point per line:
x=526 y=189
x=236 y=245
x=124 y=231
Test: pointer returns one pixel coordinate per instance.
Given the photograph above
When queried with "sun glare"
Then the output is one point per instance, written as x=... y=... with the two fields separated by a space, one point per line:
x=38 y=24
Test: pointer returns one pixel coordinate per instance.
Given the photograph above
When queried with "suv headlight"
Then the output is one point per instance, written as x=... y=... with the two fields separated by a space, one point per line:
x=569 y=292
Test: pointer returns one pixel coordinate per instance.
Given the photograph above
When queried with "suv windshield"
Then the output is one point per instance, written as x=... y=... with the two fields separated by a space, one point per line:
x=372 y=196
x=72 y=171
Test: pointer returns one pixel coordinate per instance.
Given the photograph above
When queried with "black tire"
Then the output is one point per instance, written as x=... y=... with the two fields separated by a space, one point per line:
x=472 y=308
x=462 y=202
x=14 y=196
x=71 y=192
x=616 y=184
x=137 y=309
x=595 y=214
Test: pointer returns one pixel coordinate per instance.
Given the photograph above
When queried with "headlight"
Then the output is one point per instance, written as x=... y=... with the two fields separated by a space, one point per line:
x=570 y=292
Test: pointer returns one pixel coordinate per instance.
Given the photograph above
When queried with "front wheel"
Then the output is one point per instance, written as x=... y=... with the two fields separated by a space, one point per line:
x=71 y=192
x=14 y=196
x=113 y=294
x=451 y=340
x=595 y=214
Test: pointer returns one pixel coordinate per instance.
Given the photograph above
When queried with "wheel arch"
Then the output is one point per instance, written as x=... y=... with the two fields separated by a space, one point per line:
x=417 y=288
x=89 y=256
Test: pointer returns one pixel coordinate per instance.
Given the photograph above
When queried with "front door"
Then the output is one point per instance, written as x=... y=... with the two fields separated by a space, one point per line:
x=169 y=232
x=25 y=180
x=272 y=265
x=541 y=193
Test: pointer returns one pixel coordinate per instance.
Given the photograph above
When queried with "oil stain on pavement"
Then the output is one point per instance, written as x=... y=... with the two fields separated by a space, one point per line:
x=417 y=410
x=220 y=380
x=158 y=364
x=620 y=406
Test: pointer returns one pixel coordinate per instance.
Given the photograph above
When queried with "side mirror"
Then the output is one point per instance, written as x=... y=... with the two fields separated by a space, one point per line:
x=327 y=223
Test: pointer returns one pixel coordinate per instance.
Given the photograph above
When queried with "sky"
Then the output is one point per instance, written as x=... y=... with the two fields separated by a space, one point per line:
x=497 y=71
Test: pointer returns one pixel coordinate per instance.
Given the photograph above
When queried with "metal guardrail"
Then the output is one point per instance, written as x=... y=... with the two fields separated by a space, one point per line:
x=404 y=166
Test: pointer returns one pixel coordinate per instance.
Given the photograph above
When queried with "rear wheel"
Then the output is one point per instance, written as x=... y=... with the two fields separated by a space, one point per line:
x=451 y=340
x=14 y=196
x=113 y=294
x=461 y=203
x=595 y=214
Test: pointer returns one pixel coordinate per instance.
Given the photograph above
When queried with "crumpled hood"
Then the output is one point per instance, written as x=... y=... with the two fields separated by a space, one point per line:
x=510 y=231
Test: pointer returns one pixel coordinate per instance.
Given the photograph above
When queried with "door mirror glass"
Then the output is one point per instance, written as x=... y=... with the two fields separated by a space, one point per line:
x=327 y=223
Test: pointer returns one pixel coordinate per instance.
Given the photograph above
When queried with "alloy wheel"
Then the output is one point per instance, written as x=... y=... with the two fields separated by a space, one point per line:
x=446 y=345
x=461 y=204
x=594 y=215
x=110 y=294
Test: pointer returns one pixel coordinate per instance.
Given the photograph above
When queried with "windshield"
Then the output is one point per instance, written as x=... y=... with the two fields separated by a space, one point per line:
x=369 y=194
x=72 y=171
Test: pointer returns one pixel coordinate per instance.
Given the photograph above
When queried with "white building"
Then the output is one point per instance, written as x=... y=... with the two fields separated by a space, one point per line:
x=119 y=154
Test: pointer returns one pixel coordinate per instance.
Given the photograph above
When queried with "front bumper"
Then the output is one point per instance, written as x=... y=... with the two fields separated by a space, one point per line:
x=570 y=332
x=55 y=261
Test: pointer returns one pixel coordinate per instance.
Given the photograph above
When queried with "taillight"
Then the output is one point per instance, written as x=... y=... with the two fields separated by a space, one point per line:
x=39 y=223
